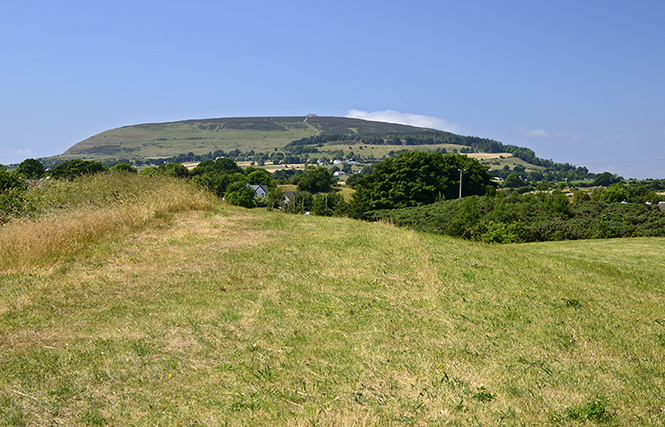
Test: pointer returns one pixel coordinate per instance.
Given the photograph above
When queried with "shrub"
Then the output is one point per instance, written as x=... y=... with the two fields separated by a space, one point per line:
x=124 y=167
x=31 y=168
x=74 y=168
x=529 y=218
x=240 y=194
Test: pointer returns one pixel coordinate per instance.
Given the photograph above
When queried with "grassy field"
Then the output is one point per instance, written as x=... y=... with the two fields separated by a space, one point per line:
x=212 y=315
x=494 y=160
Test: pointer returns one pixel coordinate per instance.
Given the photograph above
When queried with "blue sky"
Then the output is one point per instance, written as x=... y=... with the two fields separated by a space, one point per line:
x=578 y=82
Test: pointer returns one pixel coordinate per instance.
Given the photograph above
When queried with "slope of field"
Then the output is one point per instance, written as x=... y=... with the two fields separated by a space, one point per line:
x=228 y=316
x=209 y=135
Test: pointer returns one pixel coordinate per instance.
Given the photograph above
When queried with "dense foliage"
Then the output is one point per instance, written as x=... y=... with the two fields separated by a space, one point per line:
x=74 y=168
x=432 y=137
x=531 y=217
x=416 y=178
x=315 y=180
x=412 y=189
x=31 y=169
x=12 y=192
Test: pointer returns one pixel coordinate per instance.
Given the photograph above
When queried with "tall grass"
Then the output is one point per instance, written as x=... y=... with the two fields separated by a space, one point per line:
x=67 y=216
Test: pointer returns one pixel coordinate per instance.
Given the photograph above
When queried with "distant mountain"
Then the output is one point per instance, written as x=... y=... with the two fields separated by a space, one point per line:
x=165 y=140
x=289 y=140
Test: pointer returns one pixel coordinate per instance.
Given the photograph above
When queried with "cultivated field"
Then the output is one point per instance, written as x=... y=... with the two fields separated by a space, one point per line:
x=206 y=314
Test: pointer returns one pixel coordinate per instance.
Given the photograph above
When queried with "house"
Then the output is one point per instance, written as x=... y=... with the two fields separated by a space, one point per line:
x=339 y=173
x=661 y=206
x=260 y=190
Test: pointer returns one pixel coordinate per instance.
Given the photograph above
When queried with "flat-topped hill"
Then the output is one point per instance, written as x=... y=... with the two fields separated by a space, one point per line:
x=170 y=139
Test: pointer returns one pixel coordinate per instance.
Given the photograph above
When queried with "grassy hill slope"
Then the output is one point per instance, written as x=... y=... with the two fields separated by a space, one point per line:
x=226 y=316
x=208 y=135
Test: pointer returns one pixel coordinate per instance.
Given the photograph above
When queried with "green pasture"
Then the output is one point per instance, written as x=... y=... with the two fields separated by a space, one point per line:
x=227 y=316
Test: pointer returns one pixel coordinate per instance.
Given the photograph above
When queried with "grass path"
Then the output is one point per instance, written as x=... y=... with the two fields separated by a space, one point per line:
x=237 y=317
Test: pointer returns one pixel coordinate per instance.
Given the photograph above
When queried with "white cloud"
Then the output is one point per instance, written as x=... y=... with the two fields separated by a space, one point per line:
x=534 y=133
x=391 y=116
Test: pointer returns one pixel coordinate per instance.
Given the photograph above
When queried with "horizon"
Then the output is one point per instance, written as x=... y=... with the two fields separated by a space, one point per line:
x=576 y=83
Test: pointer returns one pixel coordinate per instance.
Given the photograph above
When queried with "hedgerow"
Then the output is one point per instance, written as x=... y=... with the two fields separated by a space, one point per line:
x=529 y=218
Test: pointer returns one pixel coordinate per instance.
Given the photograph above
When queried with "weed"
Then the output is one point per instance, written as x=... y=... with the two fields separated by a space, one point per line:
x=594 y=410
x=660 y=339
x=572 y=303
x=482 y=395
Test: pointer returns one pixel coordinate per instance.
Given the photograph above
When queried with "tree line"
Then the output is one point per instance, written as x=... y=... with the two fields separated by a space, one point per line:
x=415 y=188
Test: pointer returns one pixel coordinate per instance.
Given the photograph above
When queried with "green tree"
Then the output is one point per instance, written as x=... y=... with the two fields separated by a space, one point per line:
x=150 y=171
x=327 y=204
x=605 y=179
x=513 y=181
x=71 y=169
x=301 y=201
x=259 y=176
x=416 y=178
x=31 y=168
x=174 y=169
x=239 y=194
x=124 y=167
x=315 y=180
x=558 y=204
x=227 y=166
x=275 y=198
x=615 y=193
x=224 y=180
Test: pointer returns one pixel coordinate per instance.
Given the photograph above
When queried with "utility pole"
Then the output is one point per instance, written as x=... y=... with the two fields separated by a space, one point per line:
x=460 y=181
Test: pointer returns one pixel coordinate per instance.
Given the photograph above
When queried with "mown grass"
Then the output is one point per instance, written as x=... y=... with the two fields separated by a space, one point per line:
x=238 y=317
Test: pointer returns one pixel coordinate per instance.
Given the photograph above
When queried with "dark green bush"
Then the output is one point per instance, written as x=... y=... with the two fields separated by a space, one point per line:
x=529 y=218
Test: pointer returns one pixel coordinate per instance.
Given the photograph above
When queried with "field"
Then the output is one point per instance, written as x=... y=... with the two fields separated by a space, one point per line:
x=494 y=160
x=199 y=313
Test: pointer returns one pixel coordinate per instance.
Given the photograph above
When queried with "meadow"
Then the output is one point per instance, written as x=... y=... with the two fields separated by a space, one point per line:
x=195 y=312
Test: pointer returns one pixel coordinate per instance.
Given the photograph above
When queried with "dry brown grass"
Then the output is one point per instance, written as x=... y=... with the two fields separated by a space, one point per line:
x=78 y=214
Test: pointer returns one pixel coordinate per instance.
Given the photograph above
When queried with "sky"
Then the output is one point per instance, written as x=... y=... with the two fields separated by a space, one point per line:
x=577 y=82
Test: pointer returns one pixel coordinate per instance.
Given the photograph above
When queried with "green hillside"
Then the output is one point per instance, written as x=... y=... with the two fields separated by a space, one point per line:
x=135 y=300
x=160 y=140
x=301 y=140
